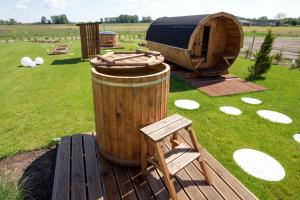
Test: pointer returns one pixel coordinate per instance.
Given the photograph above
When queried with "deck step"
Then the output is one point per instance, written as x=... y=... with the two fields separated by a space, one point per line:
x=179 y=157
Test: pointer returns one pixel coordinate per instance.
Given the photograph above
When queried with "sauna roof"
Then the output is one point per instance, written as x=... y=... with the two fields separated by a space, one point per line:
x=108 y=33
x=174 y=31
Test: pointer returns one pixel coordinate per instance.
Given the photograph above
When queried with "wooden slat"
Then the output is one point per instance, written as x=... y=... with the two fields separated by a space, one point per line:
x=92 y=169
x=140 y=184
x=157 y=125
x=61 y=185
x=156 y=184
x=77 y=176
x=124 y=183
x=188 y=185
x=176 y=152
x=182 y=161
x=109 y=181
x=171 y=128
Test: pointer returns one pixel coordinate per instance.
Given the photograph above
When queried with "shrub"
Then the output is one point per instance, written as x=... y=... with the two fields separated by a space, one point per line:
x=263 y=59
x=278 y=56
x=296 y=63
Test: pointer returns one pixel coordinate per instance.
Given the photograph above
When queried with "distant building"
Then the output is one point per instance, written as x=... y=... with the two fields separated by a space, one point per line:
x=245 y=22
x=269 y=22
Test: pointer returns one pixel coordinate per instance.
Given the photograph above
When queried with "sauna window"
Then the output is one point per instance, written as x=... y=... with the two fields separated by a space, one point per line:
x=205 y=41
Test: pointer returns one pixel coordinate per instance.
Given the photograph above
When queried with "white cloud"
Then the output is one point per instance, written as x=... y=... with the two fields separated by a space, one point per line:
x=55 y=3
x=59 y=3
x=22 y=4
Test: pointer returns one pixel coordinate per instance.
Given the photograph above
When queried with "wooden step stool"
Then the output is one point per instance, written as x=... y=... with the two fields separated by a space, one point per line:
x=178 y=157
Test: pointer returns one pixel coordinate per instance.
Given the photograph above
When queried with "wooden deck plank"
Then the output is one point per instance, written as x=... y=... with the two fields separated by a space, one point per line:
x=78 y=189
x=141 y=186
x=188 y=185
x=61 y=185
x=156 y=184
x=181 y=194
x=124 y=183
x=109 y=181
x=92 y=169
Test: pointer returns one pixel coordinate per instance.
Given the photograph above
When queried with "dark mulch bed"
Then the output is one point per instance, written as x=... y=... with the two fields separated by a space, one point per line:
x=32 y=171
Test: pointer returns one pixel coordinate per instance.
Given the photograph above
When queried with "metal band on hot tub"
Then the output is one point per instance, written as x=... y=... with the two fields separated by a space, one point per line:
x=130 y=84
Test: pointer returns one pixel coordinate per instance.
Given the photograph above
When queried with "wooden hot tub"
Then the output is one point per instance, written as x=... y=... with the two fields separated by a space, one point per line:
x=130 y=91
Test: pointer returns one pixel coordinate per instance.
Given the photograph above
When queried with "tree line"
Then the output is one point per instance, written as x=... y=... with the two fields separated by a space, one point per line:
x=126 y=19
x=279 y=20
x=63 y=19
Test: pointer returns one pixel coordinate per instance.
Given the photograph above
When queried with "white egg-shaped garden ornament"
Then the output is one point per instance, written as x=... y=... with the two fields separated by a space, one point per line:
x=25 y=61
x=39 y=60
x=32 y=64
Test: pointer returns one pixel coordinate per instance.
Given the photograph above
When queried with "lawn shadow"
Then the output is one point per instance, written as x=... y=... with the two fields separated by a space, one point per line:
x=67 y=61
x=37 y=180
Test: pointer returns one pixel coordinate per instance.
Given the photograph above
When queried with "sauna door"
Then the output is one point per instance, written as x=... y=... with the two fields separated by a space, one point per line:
x=205 y=43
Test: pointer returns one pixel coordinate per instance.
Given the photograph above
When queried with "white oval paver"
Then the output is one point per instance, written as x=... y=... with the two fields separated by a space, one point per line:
x=230 y=110
x=259 y=164
x=274 y=116
x=297 y=137
x=250 y=100
x=187 y=104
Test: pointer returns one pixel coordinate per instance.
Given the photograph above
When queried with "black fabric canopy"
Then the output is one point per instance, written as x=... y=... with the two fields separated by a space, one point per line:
x=174 y=31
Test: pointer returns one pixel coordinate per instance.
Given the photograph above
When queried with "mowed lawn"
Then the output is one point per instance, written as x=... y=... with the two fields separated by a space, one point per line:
x=55 y=99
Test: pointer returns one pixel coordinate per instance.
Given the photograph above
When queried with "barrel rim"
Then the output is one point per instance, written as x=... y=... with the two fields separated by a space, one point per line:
x=95 y=72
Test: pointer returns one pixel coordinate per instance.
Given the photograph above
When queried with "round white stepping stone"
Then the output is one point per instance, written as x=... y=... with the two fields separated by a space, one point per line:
x=275 y=117
x=297 y=137
x=250 y=100
x=259 y=164
x=230 y=110
x=187 y=104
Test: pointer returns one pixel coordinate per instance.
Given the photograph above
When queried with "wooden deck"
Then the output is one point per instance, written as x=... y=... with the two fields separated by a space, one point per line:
x=83 y=174
x=222 y=85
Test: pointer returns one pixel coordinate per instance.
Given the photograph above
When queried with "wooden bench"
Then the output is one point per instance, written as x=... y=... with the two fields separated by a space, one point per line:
x=178 y=157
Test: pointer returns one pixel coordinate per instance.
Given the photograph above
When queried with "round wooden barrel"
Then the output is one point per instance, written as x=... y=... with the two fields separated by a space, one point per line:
x=125 y=100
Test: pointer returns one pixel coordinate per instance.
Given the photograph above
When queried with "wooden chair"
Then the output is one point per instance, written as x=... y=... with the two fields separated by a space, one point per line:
x=180 y=154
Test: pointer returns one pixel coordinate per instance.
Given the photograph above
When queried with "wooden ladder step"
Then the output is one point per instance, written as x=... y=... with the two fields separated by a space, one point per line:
x=180 y=157
x=164 y=128
x=182 y=161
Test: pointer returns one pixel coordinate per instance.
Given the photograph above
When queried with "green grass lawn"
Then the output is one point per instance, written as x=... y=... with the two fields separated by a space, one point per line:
x=55 y=99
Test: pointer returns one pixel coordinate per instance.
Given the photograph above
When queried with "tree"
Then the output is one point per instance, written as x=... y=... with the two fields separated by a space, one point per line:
x=263 y=18
x=280 y=16
x=147 y=19
x=12 y=21
x=59 y=19
x=44 y=20
x=263 y=59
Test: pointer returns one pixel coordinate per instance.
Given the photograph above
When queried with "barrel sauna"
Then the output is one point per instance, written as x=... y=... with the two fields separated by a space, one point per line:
x=130 y=91
x=206 y=44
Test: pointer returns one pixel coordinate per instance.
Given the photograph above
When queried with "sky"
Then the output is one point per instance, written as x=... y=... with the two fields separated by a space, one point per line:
x=93 y=10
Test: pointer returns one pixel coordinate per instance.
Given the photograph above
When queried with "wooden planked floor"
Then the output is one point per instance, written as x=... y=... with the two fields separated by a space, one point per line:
x=83 y=174
x=216 y=86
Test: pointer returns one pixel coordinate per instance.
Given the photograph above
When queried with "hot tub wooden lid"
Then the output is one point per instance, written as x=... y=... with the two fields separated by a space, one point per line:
x=128 y=59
